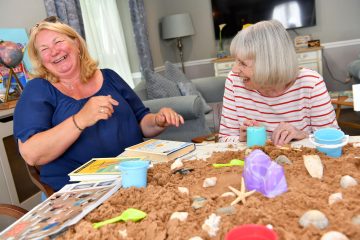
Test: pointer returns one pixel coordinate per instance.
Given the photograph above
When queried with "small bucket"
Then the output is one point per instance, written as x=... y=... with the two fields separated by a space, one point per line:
x=256 y=135
x=134 y=173
x=251 y=232
x=329 y=141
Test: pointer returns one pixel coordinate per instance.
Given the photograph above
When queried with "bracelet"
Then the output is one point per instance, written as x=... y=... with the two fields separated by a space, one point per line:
x=76 y=125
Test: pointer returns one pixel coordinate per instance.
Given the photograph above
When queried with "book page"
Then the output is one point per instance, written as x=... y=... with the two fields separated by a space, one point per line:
x=159 y=146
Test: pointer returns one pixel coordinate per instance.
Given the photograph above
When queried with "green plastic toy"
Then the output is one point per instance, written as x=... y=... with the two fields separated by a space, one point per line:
x=130 y=214
x=234 y=162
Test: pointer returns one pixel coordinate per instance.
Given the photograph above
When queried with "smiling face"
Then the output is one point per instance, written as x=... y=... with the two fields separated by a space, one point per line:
x=58 y=53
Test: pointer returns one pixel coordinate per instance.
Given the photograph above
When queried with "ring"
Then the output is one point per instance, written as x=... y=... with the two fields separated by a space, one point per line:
x=101 y=110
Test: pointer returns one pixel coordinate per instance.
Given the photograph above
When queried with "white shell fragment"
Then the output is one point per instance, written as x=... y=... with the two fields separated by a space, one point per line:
x=181 y=216
x=228 y=194
x=123 y=233
x=347 y=181
x=177 y=164
x=211 y=225
x=356 y=144
x=195 y=238
x=183 y=190
x=282 y=159
x=248 y=151
x=334 y=235
x=210 y=182
x=335 y=197
x=313 y=165
x=315 y=218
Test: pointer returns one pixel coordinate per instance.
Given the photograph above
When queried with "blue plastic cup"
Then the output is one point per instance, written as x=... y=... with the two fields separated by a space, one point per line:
x=256 y=135
x=134 y=173
x=328 y=138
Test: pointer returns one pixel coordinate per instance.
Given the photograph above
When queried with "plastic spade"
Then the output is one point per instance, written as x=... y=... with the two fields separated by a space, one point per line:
x=234 y=162
x=131 y=214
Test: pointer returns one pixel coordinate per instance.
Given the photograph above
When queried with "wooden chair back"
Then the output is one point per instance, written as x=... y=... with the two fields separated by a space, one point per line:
x=12 y=210
x=34 y=173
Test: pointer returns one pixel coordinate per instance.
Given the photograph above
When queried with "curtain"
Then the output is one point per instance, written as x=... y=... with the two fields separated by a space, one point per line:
x=104 y=36
x=68 y=11
x=138 y=20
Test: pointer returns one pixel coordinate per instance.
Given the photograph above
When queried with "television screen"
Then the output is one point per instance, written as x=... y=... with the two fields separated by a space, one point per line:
x=235 y=13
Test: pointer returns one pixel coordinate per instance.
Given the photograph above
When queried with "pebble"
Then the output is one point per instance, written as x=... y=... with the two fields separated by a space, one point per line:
x=347 y=181
x=198 y=202
x=334 y=235
x=335 y=197
x=315 y=218
x=282 y=159
x=210 y=182
x=229 y=210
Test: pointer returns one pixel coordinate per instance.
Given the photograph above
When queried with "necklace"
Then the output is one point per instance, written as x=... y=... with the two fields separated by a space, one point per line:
x=68 y=85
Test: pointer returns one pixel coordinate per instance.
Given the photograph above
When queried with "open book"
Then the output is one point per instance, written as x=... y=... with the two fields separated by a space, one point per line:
x=62 y=209
x=157 y=150
x=99 y=169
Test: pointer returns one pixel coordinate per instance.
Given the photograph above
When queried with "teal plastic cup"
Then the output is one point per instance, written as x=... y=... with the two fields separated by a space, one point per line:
x=134 y=173
x=256 y=136
x=329 y=141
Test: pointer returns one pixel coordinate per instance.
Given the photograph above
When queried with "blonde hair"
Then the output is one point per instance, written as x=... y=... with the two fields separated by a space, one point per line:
x=88 y=66
x=270 y=47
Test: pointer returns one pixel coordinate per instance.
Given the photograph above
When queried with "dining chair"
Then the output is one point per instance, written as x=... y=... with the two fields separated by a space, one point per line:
x=12 y=210
x=34 y=173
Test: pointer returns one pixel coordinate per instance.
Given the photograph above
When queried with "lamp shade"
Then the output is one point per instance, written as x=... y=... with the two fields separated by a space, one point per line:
x=177 y=25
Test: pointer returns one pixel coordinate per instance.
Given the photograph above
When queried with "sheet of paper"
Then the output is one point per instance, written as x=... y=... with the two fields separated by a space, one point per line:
x=356 y=96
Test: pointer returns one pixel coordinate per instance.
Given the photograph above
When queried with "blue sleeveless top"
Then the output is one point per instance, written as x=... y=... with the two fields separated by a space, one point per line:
x=42 y=106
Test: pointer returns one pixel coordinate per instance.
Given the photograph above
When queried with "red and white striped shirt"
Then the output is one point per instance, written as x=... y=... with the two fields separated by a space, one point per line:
x=306 y=105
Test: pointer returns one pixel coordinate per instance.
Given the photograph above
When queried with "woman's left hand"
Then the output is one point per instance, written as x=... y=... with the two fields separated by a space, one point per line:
x=168 y=117
x=286 y=132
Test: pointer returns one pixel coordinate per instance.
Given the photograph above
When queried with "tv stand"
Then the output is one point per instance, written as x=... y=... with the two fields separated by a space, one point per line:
x=307 y=57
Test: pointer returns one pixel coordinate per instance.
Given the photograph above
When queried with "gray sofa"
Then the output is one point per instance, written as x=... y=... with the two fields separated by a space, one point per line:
x=197 y=123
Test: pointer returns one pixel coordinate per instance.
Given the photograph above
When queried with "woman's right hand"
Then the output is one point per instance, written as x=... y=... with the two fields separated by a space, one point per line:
x=247 y=123
x=95 y=109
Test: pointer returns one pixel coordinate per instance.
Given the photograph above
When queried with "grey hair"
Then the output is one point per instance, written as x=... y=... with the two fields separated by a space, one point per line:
x=270 y=47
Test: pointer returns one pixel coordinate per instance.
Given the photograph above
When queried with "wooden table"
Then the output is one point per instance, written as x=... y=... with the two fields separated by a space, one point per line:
x=342 y=101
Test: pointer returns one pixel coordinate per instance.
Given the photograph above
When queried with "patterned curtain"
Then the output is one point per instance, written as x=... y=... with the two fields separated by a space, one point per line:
x=68 y=11
x=138 y=19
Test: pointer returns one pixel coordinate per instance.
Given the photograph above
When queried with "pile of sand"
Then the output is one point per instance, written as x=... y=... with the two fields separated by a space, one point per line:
x=161 y=198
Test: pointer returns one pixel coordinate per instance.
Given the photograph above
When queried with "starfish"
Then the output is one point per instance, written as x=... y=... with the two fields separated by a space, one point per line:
x=242 y=194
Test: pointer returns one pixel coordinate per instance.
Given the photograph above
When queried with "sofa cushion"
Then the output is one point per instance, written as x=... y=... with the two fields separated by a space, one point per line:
x=158 y=86
x=173 y=73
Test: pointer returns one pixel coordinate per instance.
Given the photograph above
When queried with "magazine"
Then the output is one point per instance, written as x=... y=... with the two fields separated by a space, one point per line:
x=62 y=209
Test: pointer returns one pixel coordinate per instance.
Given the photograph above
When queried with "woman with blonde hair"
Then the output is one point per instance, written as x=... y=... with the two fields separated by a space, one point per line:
x=73 y=111
x=267 y=87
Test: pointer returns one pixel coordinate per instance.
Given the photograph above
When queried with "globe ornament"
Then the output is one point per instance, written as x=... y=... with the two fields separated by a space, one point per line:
x=11 y=56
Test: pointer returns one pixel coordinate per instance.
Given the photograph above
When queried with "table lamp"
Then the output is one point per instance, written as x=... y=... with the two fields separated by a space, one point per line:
x=177 y=26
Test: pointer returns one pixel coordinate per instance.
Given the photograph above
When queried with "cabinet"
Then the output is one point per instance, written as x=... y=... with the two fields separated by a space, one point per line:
x=307 y=57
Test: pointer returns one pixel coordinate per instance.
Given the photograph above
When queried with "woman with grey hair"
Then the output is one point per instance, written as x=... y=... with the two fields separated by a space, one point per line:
x=267 y=87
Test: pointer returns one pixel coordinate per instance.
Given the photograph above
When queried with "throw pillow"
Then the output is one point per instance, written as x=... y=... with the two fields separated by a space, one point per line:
x=173 y=73
x=158 y=86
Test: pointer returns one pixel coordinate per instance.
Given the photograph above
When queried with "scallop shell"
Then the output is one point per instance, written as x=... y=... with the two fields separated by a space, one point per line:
x=334 y=235
x=335 y=197
x=209 y=182
x=315 y=218
x=347 y=181
x=313 y=165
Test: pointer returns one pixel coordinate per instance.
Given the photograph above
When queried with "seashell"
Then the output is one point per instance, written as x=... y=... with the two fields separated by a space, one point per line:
x=123 y=233
x=211 y=225
x=334 y=235
x=229 y=210
x=356 y=220
x=335 y=197
x=228 y=194
x=195 y=238
x=210 y=182
x=198 y=202
x=282 y=159
x=181 y=216
x=347 y=181
x=183 y=190
x=315 y=218
x=177 y=164
x=313 y=165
